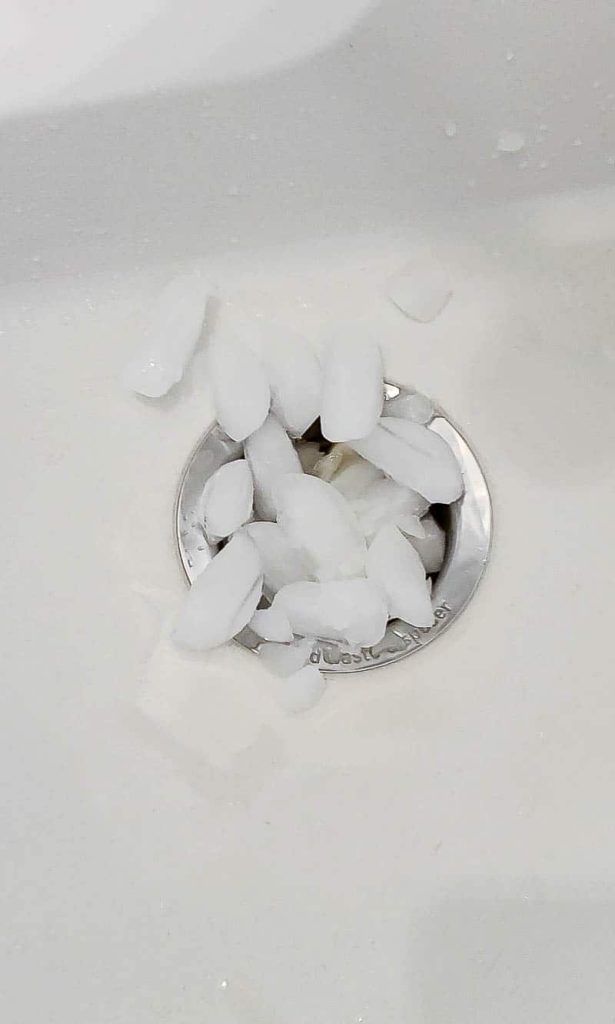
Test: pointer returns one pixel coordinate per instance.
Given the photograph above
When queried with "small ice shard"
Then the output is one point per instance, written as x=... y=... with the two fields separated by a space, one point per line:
x=350 y=610
x=173 y=329
x=353 y=388
x=302 y=690
x=281 y=562
x=223 y=598
x=319 y=521
x=271 y=455
x=414 y=456
x=383 y=502
x=510 y=141
x=420 y=292
x=226 y=502
x=271 y=624
x=353 y=479
x=284 y=659
x=309 y=454
x=327 y=465
x=240 y=386
x=393 y=563
x=431 y=547
x=415 y=407
x=295 y=378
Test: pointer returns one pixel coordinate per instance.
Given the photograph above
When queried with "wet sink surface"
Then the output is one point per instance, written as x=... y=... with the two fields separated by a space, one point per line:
x=433 y=841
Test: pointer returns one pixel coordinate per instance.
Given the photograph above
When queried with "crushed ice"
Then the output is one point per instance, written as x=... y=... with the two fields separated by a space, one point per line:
x=325 y=536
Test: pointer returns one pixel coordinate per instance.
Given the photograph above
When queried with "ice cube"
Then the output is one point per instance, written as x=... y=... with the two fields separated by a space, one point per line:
x=353 y=388
x=271 y=624
x=240 y=386
x=226 y=502
x=415 y=407
x=510 y=141
x=271 y=455
x=223 y=598
x=353 y=479
x=171 y=334
x=352 y=610
x=302 y=690
x=383 y=502
x=414 y=456
x=319 y=521
x=281 y=562
x=284 y=659
x=420 y=292
x=432 y=546
x=393 y=563
x=295 y=378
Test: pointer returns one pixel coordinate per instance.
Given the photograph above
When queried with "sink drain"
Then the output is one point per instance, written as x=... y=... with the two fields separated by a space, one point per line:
x=467 y=525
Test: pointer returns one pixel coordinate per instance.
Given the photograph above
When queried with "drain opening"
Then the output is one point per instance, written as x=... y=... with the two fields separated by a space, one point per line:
x=467 y=525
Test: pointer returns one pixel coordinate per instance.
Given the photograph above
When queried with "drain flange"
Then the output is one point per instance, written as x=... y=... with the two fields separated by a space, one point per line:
x=468 y=526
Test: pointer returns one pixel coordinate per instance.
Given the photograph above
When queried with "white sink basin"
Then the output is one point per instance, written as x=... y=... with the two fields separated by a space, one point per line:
x=433 y=843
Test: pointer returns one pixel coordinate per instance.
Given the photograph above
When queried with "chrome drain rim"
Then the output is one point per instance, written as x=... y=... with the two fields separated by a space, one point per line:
x=469 y=533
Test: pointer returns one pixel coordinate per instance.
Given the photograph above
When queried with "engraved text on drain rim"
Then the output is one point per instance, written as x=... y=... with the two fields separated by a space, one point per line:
x=468 y=543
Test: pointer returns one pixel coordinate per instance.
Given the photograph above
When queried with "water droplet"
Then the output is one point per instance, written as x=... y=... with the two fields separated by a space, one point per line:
x=543 y=164
x=450 y=129
x=577 y=142
x=610 y=161
x=510 y=55
x=510 y=141
x=596 y=84
x=224 y=983
x=543 y=127
x=523 y=164
x=253 y=137
x=471 y=182
x=233 y=190
x=35 y=259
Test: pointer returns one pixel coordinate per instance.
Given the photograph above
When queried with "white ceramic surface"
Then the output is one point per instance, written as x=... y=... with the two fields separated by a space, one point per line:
x=433 y=843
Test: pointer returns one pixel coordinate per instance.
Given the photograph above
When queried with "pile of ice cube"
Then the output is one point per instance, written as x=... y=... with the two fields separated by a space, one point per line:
x=327 y=535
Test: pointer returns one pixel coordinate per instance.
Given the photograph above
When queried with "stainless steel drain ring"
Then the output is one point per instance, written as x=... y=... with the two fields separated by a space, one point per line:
x=468 y=527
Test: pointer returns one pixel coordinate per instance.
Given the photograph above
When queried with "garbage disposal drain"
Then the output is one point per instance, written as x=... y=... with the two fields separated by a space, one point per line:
x=467 y=524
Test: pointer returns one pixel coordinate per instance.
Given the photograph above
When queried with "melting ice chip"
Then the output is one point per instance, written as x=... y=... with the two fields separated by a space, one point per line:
x=226 y=502
x=510 y=141
x=271 y=455
x=284 y=659
x=350 y=610
x=319 y=521
x=353 y=388
x=393 y=563
x=302 y=690
x=223 y=598
x=415 y=407
x=420 y=292
x=173 y=329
